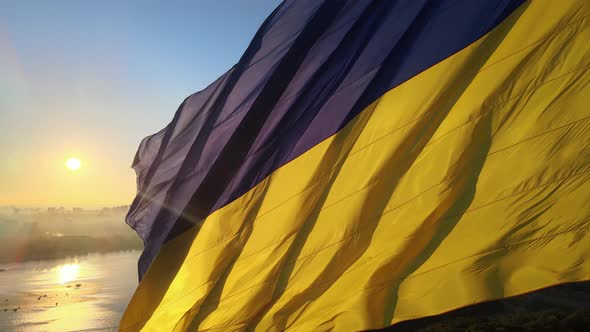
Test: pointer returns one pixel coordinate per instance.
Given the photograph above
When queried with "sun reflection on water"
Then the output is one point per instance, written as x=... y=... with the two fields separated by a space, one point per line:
x=68 y=272
x=72 y=294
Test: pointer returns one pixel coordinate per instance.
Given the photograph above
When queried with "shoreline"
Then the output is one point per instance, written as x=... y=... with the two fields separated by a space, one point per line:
x=43 y=248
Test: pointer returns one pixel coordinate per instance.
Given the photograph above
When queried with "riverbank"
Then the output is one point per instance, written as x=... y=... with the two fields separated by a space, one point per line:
x=46 y=247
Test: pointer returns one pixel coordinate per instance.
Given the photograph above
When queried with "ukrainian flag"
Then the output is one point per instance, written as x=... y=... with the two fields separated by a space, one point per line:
x=369 y=162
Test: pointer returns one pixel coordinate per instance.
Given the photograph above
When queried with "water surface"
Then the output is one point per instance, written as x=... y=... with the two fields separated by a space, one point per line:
x=73 y=294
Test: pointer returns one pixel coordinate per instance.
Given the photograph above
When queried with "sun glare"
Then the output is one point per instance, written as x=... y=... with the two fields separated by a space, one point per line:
x=67 y=273
x=73 y=164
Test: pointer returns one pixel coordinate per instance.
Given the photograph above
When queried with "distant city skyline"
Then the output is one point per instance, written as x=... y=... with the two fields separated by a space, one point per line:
x=91 y=79
x=63 y=209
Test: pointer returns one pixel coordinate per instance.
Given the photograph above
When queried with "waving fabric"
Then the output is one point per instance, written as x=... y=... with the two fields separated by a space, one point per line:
x=367 y=162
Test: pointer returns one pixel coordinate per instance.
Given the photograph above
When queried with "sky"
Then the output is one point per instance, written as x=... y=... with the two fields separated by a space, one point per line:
x=90 y=79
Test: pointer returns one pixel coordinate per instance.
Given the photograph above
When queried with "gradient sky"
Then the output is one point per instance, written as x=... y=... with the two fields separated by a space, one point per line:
x=92 y=78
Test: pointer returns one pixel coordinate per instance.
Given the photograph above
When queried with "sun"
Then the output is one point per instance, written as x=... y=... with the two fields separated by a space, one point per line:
x=73 y=164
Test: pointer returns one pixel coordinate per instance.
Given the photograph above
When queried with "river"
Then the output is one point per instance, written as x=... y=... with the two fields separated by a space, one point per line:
x=73 y=294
